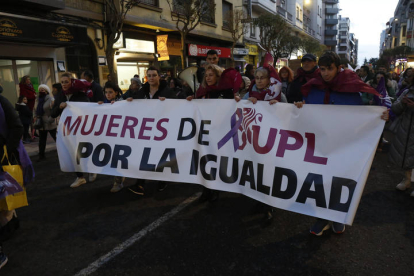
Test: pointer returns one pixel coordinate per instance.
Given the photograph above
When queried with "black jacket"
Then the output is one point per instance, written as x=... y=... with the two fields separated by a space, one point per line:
x=163 y=91
x=14 y=126
x=98 y=95
x=61 y=98
x=25 y=114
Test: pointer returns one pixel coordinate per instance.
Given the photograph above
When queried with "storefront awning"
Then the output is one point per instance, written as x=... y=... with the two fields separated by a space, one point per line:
x=26 y=30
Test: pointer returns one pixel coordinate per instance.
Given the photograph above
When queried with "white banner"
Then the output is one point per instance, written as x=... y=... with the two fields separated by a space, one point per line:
x=313 y=161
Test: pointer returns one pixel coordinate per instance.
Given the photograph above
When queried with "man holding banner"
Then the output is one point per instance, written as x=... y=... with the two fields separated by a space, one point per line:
x=337 y=87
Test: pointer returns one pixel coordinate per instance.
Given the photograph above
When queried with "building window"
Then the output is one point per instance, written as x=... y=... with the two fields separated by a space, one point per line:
x=404 y=31
x=318 y=10
x=227 y=8
x=208 y=17
x=297 y=12
x=252 y=30
x=150 y=2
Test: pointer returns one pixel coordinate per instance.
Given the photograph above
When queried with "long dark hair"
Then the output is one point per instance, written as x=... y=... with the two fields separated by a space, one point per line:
x=384 y=76
x=24 y=78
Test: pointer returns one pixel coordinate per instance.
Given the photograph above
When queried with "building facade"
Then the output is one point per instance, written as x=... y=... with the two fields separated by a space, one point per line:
x=330 y=22
x=399 y=32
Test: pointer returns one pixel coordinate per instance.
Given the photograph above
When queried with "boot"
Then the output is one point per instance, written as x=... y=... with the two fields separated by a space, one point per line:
x=406 y=182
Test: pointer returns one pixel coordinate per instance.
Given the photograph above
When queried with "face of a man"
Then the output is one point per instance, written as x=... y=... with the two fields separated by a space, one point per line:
x=382 y=69
x=153 y=77
x=85 y=77
x=328 y=73
x=212 y=59
x=308 y=65
x=362 y=73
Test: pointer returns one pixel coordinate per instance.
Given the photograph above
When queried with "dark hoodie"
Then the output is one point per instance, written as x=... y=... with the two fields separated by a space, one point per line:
x=294 y=93
x=163 y=91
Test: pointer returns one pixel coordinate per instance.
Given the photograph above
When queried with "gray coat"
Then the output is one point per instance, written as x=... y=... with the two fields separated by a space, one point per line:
x=402 y=147
x=49 y=123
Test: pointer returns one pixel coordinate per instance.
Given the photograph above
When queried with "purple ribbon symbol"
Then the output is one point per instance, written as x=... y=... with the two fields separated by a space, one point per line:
x=235 y=124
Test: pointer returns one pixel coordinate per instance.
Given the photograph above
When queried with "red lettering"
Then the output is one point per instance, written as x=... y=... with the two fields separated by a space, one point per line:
x=144 y=128
x=283 y=143
x=69 y=128
x=129 y=127
x=83 y=132
x=270 y=140
x=162 y=129
x=310 y=151
x=111 y=125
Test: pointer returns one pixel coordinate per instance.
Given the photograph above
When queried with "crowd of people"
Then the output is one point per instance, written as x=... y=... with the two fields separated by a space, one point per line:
x=323 y=81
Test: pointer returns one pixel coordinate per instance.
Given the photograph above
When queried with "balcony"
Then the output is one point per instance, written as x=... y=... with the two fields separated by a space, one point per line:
x=331 y=42
x=264 y=6
x=331 y=21
x=331 y=10
x=281 y=11
x=331 y=32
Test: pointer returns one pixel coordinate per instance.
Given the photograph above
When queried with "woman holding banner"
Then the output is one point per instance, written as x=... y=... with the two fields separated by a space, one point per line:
x=217 y=84
x=73 y=90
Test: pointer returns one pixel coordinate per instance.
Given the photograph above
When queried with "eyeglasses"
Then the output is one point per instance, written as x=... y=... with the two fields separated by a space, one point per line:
x=260 y=78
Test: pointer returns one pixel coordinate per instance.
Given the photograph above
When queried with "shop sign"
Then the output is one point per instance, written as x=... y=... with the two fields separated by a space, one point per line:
x=162 y=47
x=62 y=34
x=26 y=30
x=174 y=47
x=241 y=51
x=253 y=49
x=139 y=46
x=201 y=50
x=9 y=28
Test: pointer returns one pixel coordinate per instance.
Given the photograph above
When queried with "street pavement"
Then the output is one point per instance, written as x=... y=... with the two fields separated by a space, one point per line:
x=67 y=231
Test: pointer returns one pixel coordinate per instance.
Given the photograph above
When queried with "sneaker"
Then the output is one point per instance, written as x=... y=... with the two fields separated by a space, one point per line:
x=137 y=189
x=117 y=187
x=338 y=228
x=92 y=177
x=403 y=185
x=162 y=186
x=79 y=181
x=320 y=226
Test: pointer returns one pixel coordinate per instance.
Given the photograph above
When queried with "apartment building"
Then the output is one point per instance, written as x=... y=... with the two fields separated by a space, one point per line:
x=330 y=23
x=353 y=47
x=304 y=16
x=399 y=32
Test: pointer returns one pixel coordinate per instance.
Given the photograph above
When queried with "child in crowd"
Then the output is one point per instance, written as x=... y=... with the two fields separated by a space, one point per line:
x=113 y=94
x=26 y=117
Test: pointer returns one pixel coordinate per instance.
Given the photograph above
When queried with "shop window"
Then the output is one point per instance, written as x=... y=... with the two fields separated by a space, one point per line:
x=7 y=80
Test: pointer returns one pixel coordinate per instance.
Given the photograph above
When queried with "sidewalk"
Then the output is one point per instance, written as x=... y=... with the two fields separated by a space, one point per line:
x=33 y=148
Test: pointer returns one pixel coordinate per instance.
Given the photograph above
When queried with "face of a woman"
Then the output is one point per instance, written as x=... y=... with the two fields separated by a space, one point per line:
x=262 y=81
x=28 y=81
x=25 y=100
x=284 y=74
x=110 y=94
x=379 y=77
x=65 y=82
x=42 y=90
x=211 y=78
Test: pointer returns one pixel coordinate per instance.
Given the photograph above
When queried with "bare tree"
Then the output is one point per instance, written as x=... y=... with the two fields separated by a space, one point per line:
x=116 y=11
x=187 y=15
x=237 y=28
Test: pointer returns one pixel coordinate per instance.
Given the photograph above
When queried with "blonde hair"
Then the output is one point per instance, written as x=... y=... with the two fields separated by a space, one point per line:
x=216 y=69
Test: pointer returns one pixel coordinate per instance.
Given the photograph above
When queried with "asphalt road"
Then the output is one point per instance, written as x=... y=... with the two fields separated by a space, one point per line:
x=63 y=231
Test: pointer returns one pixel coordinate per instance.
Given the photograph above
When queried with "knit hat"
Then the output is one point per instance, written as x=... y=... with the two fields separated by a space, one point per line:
x=136 y=79
x=246 y=82
x=45 y=87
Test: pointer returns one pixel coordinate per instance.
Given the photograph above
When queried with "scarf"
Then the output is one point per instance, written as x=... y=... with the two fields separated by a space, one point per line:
x=209 y=91
x=272 y=92
x=304 y=76
x=345 y=81
x=79 y=86
x=39 y=110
